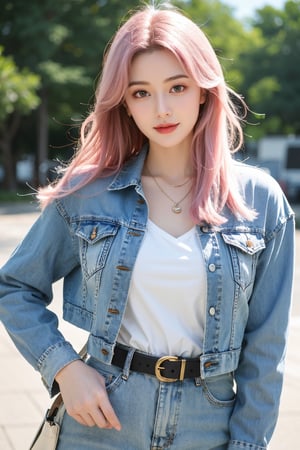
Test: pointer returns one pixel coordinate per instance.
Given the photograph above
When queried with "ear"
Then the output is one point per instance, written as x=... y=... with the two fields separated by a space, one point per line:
x=203 y=95
x=127 y=109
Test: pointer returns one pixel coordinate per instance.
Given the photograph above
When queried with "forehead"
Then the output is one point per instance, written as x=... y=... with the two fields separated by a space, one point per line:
x=158 y=63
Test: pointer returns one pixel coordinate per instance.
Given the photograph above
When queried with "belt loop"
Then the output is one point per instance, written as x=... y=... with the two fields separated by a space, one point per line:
x=198 y=381
x=127 y=364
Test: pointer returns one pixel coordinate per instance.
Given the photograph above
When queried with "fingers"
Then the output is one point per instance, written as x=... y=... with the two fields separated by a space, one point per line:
x=98 y=412
x=89 y=421
x=106 y=413
x=84 y=393
x=98 y=418
x=84 y=420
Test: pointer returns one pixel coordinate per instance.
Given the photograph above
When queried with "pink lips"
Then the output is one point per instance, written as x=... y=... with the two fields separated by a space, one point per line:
x=166 y=128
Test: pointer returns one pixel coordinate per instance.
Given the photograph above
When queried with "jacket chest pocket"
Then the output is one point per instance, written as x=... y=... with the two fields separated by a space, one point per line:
x=95 y=240
x=244 y=250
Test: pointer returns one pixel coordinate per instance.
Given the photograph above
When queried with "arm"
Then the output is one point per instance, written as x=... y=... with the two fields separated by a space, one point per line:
x=46 y=255
x=260 y=373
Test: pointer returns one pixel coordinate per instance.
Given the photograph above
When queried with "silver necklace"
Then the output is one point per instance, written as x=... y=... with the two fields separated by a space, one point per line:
x=176 y=208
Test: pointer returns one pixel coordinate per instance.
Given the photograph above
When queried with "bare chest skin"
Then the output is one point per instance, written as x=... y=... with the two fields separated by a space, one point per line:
x=160 y=206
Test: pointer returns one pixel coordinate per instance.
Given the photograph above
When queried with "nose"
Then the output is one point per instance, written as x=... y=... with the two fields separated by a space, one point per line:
x=163 y=108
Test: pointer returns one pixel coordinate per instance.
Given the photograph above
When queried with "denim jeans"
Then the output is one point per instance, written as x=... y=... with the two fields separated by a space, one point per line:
x=184 y=415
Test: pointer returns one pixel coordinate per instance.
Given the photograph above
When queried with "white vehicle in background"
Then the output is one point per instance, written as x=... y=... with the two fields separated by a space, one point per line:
x=283 y=151
x=280 y=155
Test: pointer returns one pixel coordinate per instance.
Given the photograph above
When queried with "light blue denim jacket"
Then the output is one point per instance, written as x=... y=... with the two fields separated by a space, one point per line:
x=91 y=239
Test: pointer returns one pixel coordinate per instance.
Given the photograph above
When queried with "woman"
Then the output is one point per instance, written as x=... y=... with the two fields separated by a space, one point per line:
x=175 y=258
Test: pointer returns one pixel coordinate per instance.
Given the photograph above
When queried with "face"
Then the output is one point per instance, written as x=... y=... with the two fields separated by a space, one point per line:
x=163 y=100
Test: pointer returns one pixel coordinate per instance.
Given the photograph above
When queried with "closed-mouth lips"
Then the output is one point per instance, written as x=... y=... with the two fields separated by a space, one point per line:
x=166 y=125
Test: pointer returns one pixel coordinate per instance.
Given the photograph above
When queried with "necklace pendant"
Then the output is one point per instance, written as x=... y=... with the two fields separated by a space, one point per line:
x=176 y=209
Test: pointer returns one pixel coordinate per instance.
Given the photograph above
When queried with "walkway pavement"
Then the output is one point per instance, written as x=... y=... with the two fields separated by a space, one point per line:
x=23 y=399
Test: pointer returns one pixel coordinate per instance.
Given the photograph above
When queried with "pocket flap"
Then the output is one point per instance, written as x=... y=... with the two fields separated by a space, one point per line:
x=249 y=243
x=93 y=231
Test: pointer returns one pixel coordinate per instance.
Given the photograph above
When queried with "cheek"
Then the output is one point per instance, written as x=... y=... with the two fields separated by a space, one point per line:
x=194 y=109
x=140 y=120
x=191 y=101
x=139 y=114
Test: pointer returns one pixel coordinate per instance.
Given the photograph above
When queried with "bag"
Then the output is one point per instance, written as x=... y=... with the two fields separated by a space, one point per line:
x=47 y=435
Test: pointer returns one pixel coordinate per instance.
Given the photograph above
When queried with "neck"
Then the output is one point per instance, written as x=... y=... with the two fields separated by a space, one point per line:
x=172 y=166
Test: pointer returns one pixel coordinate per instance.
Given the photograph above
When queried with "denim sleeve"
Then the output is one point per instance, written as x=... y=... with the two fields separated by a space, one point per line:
x=259 y=375
x=46 y=254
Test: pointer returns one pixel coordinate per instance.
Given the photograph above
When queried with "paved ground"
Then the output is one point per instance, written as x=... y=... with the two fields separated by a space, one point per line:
x=23 y=399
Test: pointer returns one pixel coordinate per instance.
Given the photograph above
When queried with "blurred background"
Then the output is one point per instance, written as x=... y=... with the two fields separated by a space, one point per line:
x=50 y=60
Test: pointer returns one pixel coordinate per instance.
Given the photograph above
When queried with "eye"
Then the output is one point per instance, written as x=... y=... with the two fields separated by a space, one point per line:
x=140 y=93
x=178 y=88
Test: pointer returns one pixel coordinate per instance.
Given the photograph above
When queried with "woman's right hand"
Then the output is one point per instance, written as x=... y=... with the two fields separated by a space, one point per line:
x=85 y=397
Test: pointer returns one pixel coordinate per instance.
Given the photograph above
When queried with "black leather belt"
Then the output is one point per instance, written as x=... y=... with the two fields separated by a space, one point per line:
x=166 y=368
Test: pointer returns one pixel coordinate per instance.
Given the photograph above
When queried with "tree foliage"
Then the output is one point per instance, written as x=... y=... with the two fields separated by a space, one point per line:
x=18 y=89
x=18 y=96
x=62 y=44
x=272 y=69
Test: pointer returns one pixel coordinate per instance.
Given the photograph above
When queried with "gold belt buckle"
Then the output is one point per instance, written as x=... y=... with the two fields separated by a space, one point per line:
x=158 y=369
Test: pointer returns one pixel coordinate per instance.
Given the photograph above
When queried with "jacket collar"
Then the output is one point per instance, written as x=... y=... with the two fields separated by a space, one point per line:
x=130 y=174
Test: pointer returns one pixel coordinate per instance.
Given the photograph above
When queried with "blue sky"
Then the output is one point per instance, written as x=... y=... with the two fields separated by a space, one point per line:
x=246 y=8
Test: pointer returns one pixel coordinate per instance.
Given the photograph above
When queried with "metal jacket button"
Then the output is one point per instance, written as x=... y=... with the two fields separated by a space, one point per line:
x=93 y=234
x=209 y=364
x=125 y=268
x=113 y=311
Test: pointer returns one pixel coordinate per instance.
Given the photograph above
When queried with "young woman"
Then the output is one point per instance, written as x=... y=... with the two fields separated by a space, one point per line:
x=177 y=260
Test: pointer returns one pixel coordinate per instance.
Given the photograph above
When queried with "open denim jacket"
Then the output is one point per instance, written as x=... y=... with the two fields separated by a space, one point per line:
x=91 y=239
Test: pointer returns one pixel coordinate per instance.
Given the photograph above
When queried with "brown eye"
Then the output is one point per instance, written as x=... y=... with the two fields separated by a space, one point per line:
x=140 y=93
x=178 y=88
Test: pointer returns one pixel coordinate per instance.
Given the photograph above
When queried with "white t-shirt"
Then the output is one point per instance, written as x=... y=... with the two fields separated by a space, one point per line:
x=165 y=314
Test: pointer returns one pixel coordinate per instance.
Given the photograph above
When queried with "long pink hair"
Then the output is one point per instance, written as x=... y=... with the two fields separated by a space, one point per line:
x=109 y=137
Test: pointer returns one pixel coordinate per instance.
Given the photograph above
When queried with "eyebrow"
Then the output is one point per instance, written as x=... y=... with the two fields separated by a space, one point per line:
x=172 y=78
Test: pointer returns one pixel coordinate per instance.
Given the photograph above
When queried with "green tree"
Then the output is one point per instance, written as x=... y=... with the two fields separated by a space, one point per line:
x=272 y=69
x=18 y=97
x=62 y=42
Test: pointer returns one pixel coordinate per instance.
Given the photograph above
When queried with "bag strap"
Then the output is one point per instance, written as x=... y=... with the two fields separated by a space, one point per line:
x=52 y=411
x=83 y=351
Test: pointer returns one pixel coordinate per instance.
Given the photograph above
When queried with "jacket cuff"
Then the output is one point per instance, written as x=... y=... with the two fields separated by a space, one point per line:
x=240 y=445
x=52 y=361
